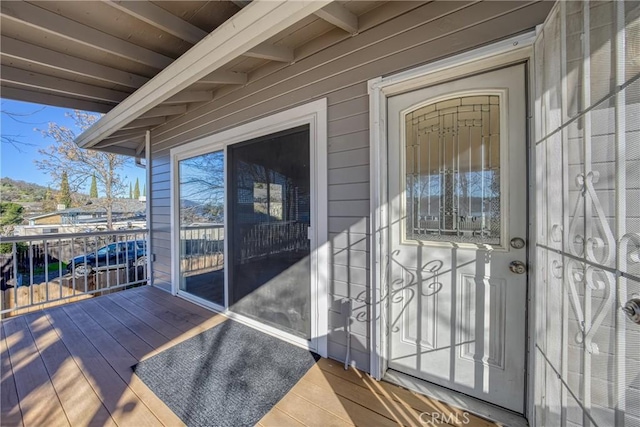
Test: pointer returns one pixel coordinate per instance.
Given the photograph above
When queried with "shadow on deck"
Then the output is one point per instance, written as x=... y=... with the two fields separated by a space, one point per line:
x=71 y=365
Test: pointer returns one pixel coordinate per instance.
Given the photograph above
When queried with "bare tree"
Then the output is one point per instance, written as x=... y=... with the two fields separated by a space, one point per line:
x=81 y=164
x=16 y=140
x=202 y=188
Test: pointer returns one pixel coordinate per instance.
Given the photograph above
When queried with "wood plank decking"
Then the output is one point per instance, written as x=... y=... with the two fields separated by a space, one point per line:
x=71 y=365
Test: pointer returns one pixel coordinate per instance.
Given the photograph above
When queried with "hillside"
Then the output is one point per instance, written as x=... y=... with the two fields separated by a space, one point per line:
x=21 y=191
x=34 y=198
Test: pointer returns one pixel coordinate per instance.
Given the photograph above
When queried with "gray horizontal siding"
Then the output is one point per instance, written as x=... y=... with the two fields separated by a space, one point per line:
x=351 y=258
x=352 y=175
x=349 y=240
x=349 y=107
x=160 y=202
x=162 y=185
x=160 y=223
x=348 y=125
x=348 y=142
x=337 y=67
x=349 y=290
x=347 y=191
x=349 y=158
x=430 y=32
x=348 y=224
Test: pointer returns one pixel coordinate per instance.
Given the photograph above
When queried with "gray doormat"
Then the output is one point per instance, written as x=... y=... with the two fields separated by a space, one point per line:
x=229 y=375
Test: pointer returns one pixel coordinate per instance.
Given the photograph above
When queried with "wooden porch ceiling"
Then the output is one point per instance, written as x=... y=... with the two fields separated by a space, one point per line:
x=92 y=55
x=71 y=365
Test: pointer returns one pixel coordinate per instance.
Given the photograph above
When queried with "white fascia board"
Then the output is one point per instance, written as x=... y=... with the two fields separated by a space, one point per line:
x=253 y=25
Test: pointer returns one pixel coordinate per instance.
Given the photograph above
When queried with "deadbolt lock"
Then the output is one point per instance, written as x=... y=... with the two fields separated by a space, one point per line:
x=517 y=243
x=517 y=267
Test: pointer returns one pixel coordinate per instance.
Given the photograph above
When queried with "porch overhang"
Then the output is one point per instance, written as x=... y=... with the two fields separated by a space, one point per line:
x=143 y=63
x=243 y=32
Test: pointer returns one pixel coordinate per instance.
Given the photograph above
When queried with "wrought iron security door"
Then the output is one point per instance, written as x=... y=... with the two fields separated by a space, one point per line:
x=588 y=213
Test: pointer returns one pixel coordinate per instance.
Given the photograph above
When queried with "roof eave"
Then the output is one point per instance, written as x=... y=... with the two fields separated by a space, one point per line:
x=248 y=28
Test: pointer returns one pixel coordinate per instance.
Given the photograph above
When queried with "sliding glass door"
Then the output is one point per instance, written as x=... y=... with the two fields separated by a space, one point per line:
x=202 y=204
x=270 y=215
x=244 y=230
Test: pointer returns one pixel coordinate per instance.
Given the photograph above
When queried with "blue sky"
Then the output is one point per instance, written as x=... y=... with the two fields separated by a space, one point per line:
x=18 y=163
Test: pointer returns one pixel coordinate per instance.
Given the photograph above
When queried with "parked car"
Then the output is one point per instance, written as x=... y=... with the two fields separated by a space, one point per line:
x=111 y=256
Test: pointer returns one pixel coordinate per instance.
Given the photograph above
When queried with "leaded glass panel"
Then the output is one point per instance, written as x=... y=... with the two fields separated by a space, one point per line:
x=453 y=171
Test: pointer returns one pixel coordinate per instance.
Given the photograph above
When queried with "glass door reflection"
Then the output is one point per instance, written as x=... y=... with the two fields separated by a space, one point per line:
x=202 y=226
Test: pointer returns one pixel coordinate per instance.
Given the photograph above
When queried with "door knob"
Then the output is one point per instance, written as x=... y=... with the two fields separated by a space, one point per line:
x=517 y=267
x=632 y=309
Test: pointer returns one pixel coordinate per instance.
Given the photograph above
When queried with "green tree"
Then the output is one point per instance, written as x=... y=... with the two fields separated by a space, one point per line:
x=64 y=197
x=10 y=215
x=144 y=190
x=93 y=191
x=136 y=190
x=82 y=164
x=130 y=192
x=49 y=202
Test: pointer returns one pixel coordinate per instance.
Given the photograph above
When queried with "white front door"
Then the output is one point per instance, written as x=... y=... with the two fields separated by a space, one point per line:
x=458 y=198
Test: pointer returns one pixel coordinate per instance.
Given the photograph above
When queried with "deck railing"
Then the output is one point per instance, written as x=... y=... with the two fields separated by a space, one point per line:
x=201 y=248
x=45 y=270
x=261 y=240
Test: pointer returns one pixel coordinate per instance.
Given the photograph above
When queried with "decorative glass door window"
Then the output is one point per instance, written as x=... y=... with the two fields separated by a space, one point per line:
x=452 y=160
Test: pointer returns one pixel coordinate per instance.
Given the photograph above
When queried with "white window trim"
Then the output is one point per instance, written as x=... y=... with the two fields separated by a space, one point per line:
x=503 y=53
x=313 y=114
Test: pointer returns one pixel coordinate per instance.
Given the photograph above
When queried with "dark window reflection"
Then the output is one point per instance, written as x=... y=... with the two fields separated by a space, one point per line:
x=269 y=200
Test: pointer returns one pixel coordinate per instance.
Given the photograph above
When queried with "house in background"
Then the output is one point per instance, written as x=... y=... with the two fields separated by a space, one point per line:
x=126 y=213
x=442 y=194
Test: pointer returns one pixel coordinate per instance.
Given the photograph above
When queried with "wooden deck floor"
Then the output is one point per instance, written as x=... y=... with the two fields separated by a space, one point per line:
x=71 y=365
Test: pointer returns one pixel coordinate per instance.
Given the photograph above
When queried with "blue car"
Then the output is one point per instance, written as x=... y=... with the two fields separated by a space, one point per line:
x=111 y=256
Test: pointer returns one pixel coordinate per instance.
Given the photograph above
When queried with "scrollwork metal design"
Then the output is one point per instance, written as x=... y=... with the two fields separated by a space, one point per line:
x=606 y=241
x=582 y=275
x=588 y=277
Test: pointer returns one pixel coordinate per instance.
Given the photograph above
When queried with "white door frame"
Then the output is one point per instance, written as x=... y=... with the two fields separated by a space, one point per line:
x=313 y=114
x=501 y=54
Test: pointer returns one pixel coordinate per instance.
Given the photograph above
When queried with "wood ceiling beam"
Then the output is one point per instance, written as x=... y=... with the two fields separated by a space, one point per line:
x=333 y=13
x=43 y=20
x=145 y=123
x=115 y=141
x=241 y=3
x=131 y=133
x=225 y=77
x=255 y=24
x=338 y=15
x=166 y=21
x=12 y=48
x=26 y=95
x=189 y=96
x=160 y=18
x=124 y=151
x=271 y=52
x=165 y=110
x=141 y=146
x=58 y=85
